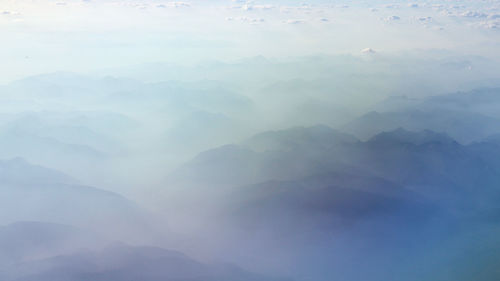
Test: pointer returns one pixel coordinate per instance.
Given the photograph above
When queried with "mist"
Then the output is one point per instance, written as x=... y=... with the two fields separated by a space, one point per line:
x=249 y=140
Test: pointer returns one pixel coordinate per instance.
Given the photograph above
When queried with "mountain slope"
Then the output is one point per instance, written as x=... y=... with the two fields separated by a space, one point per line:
x=34 y=193
x=120 y=262
x=463 y=126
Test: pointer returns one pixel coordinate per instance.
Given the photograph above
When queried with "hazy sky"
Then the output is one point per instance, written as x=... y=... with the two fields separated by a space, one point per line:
x=43 y=36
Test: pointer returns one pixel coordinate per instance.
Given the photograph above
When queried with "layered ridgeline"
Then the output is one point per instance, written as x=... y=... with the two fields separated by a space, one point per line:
x=93 y=128
x=407 y=202
x=407 y=191
x=34 y=193
x=56 y=229
x=412 y=159
x=52 y=252
x=465 y=116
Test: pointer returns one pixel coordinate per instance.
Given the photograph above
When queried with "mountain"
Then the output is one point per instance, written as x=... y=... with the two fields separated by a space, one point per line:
x=325 y=202
x=34 y=193
x=120 y=262
x=50 y=152
x=463 y=126
x=63 y=86
x=209 y=166
x=18 y=170
x=178 y=98
x=465 y=116
x=59 y=127
x=29 y=240
x=402 y=136
x=401 y=201
x=433 y=164
x=317 y=137
x=483 y=100
x=284 y=154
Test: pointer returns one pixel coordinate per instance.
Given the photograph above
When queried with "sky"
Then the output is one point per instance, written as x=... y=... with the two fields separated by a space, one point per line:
x=40 y=36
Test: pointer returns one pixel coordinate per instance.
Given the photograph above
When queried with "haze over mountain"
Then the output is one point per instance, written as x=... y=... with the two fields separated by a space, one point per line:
x=329 y=184
x=466 y=116
x=219 y=171
x=262 y=140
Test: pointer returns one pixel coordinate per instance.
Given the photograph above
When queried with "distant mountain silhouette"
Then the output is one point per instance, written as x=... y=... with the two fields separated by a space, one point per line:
x=463 y=126
x=317 y=137
x=34 y=193
x=402 y=136
x=433 y=164
x=29 y=240
x=465 y=116
x=319 y=192
x=18 y=170
x=120 y=262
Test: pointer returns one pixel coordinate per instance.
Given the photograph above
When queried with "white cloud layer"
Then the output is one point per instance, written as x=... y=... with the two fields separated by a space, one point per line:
x=179 y=30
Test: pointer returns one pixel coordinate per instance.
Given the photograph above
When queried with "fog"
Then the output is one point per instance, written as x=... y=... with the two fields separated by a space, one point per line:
x=249 y=140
